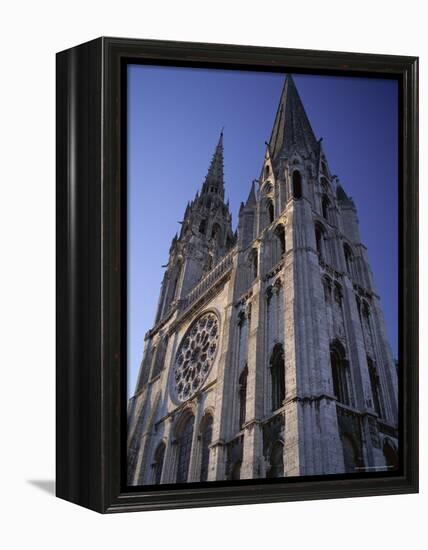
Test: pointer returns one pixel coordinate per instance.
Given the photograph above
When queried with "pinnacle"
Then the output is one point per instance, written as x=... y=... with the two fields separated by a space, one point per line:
x=251 y=200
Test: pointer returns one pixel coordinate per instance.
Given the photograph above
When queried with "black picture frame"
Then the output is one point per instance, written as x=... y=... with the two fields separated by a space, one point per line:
x=91 y=277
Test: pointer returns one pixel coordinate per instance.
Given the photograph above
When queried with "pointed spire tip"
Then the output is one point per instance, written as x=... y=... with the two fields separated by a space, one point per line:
x=292 y=129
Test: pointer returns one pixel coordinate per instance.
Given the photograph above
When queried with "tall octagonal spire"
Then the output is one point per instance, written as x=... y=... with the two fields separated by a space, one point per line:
x=292 y=130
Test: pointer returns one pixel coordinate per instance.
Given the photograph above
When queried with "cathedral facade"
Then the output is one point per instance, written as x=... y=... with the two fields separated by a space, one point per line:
x=269 y=355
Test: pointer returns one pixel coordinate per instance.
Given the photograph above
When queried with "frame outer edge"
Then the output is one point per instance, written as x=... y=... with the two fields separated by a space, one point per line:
x=78 y=319
x=88 y=273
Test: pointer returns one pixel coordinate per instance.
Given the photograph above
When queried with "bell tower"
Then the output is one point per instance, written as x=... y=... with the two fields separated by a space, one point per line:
x=206 y=235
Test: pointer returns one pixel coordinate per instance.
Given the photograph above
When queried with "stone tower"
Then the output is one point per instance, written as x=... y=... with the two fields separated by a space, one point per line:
x=269 y=355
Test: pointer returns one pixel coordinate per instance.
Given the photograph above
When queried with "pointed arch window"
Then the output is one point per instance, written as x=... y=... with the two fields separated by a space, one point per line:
x=254 y=260
x=203 y=227
x=206 y=438
x=184 y=449
x=327 y=285
x=277 y=367
x=325 y=205
x=280 y=235
x=320 y=237
x=339 y=370
x=242 y=396
x=158 y=464
x=338 y=294
x=267 y=171
x=176 y=278
x=297 y=185
x=160 y=357
x=270 y=210
x=348 y=258
x=375 y=386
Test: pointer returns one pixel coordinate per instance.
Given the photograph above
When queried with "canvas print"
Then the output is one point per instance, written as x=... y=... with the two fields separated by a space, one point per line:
x=262 y=275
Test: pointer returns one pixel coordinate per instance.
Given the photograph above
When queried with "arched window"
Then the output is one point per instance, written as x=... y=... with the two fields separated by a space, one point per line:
x=297 y=185
x=206 y=437
x=375 y=386
x=338 y=294
x=254 y=263
x=390 y=455
x=267 y=170
x=280 y=235
x=176 y=278
x=358 y=301
x=269 y=294
x=277 y=367
x=276 y=461
x=348 y=258
x=158 y=463
x=270 y=211
x=160 y=356
x=242 y=396
x=184 y=442
x=339 y=370
x=326 y=281
x=203 y=227
x=216 y=232
x=320 y=241
x=325 y=204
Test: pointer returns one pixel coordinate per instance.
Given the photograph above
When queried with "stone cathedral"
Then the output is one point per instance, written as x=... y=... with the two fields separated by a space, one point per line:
x=268 y=356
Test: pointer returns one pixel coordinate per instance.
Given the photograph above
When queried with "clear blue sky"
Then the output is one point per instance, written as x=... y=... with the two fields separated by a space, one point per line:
x=174 y=119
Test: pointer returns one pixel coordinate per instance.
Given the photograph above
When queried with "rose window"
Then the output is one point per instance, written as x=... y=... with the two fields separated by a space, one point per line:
x=195 y=355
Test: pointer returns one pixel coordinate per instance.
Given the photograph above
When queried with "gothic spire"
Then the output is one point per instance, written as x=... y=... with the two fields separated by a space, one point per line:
x=291 y=129
x=214 y=181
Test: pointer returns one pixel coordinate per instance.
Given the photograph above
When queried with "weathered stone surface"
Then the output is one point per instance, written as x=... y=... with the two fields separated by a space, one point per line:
x=295 y=278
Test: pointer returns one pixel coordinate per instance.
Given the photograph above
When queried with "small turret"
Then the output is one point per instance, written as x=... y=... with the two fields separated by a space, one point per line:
x=349 y=219
x=247 y=217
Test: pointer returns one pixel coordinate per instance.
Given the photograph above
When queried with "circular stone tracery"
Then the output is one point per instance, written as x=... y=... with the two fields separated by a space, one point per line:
x=195 y=355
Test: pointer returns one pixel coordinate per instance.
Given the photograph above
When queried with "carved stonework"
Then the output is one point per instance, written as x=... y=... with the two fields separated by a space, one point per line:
x=196 y=355
x=259 y=334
